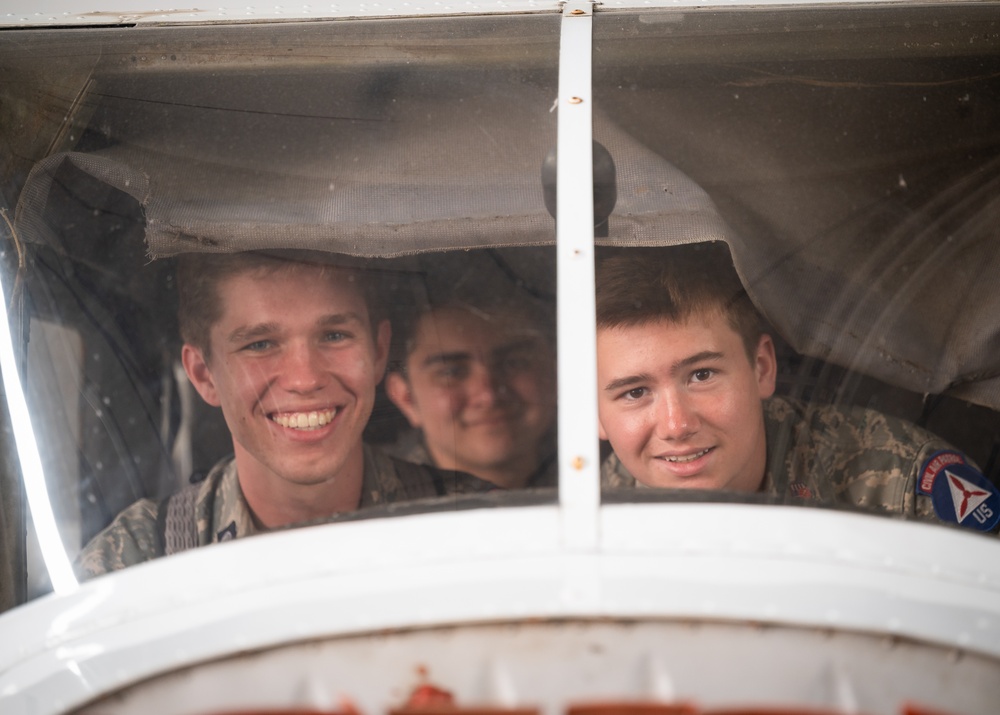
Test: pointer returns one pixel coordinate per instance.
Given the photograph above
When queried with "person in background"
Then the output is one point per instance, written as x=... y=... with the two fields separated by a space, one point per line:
x=477 y=385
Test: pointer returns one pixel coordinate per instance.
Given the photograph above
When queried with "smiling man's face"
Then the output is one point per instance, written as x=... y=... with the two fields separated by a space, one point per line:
x=294 y=364
x=681 y=402
x=482 y=390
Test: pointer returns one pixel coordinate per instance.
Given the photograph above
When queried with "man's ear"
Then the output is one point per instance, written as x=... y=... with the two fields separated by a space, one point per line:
x=766 y=366
x=199 y=374
x=383 y=337
x=399 y=391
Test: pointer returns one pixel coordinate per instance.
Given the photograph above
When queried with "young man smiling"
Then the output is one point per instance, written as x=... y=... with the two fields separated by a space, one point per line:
x=477 y=383
x=686 y=379
x=291 y=350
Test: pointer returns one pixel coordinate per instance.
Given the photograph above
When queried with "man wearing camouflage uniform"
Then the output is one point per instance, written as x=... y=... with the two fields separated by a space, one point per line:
x=686 y=382
x=410 y=448
x=476 y=381
x=291 y=351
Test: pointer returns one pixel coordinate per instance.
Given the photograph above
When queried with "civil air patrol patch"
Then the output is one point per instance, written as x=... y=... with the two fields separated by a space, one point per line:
x=933 y=466
x=961 y=495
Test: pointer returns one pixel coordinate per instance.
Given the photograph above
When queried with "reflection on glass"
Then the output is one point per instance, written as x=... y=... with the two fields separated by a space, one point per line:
x=291 y=348
x=50 y=543
x=190 y=397
x=855 y=189
x=687 y=400
x=475 y=378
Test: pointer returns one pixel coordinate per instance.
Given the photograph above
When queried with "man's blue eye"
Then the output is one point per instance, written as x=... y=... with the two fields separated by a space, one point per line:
x=258 y=345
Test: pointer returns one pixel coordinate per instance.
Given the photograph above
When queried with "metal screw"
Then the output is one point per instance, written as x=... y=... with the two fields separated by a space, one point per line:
x=575 y=100
x=578 y=11
x=577 y=463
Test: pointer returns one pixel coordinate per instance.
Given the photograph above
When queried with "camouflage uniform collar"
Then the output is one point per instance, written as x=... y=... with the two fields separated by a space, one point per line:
x=223 y=510
x=779 y=442
x=417 y=452
x=380 y=482
x=615 y=476
x=791 y=447
x=411 y=447
x=226 y=514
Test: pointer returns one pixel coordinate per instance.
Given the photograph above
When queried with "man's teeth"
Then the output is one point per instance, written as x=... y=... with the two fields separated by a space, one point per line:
x=305 y=420
x=687 y=457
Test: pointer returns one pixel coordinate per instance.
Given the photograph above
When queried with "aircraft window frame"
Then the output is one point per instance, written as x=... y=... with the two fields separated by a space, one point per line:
x=579 y=460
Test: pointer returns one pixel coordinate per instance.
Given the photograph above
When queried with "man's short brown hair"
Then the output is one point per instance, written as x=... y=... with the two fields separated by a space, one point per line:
x=199 y=276
x=636 y=286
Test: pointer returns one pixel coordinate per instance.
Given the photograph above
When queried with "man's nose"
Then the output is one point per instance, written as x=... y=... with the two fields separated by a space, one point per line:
x=484 y=385
x=675 y=417
x=301 y=369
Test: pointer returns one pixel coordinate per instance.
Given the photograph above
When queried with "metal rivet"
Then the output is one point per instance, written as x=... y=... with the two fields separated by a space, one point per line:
x=578 y=12
x=575 y=100
x=577 y=463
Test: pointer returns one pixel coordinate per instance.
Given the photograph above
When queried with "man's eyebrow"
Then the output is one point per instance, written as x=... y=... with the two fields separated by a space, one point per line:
x=644 y=378
x=249 y=333
x=439 y=358
x=703 y=356
x=629 y=381
x=341 y=318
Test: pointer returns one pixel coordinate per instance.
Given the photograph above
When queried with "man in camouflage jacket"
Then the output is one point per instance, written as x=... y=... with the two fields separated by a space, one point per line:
x=476 y=381
x=291 y=350
x=214 y=510
x=410 y=448
x=686 y=379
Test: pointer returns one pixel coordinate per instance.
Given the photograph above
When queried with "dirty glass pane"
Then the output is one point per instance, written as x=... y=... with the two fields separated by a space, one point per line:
x=848 y=158
x=368 y=174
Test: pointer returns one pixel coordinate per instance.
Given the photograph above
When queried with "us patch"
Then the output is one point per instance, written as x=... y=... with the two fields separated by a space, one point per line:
x=961 y=495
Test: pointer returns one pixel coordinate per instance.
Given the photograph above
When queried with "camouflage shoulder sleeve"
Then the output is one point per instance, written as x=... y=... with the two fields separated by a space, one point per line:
x=381 y=482
x=614 y=475
x=792 y=469
x=409 y=447
x=462 y=482
x=426 y=481
x=881 y=473
x=863 y=457
x=130 y=539
x=388 y=480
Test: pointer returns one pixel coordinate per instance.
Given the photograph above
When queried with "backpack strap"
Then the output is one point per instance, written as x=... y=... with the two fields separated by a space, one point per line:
x=176 y=521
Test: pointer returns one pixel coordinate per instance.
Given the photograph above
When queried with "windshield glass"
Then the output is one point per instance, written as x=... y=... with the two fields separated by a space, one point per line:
x=268 y=275
x=234 y=306
x=846 y=161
